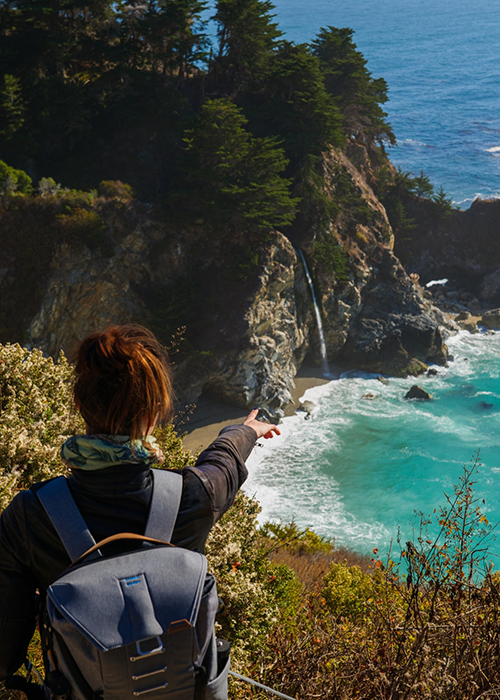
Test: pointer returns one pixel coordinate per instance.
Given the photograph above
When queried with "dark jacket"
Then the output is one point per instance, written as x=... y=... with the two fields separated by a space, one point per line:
x=111 y=500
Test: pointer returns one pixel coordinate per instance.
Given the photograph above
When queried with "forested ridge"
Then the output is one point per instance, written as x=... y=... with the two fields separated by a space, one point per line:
x=227 y=127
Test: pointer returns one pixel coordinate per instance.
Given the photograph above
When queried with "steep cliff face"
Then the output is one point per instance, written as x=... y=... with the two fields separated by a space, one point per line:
x=258 y=339
x=252 y=335
x=464 y=246
x=245 y=304
x=374 y=316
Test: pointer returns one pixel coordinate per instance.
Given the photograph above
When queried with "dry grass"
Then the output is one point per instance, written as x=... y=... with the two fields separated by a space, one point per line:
x=311 y=568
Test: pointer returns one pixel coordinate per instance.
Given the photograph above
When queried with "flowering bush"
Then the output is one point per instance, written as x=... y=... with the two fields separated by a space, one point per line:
x=36 y=417
x=256 y=593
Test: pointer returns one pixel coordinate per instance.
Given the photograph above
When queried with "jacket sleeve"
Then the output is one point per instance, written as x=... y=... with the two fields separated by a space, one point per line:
x=17 y=589
x=221 y=467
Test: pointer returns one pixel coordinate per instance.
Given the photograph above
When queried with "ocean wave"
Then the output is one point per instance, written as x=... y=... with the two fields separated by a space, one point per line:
x=356 y=469
x=414 y=142
x=494 y=149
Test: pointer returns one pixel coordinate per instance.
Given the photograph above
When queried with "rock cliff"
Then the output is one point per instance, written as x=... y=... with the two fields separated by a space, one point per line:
x=245 y=304
x=464 y=247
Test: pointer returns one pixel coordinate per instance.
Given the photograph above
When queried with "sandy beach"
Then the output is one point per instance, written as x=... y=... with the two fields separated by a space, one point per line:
x=209 y=417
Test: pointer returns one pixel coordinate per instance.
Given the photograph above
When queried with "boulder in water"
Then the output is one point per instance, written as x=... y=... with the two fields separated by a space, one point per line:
x=491 y=319
x=307 y=407
x=369 y=397
x=416 y=392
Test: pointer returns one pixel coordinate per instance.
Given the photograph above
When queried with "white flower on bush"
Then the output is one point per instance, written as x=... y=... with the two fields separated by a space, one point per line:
x=235 y=556
x=36 y=417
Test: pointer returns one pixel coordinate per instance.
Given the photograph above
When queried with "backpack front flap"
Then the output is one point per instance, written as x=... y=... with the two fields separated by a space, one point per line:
x=129 y=622
x=118 y=600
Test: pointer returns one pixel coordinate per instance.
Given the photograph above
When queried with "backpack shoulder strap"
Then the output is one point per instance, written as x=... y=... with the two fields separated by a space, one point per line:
x=165 y=502
x=64 y=515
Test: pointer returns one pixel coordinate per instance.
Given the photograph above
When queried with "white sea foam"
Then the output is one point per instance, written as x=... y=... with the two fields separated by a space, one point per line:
x=494 y=149
x=413 y=142
x=465 y=203
x=359 y=467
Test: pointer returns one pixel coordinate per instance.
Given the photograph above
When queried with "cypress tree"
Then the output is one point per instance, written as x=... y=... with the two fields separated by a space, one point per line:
x=349 y=82
x=246 y=37
x=294 y=105
x=231 y=178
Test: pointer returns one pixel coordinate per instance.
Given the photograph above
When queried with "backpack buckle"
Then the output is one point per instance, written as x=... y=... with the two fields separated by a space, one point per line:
x=147 y=652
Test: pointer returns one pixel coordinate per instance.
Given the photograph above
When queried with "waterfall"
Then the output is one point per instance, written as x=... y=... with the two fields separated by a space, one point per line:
x=322 y=346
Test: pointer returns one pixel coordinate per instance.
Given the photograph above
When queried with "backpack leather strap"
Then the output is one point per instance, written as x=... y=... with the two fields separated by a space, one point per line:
x=64 y=515
x=165 y=502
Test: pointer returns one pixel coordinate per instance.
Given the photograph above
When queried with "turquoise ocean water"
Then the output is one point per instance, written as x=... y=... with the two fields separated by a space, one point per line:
x=359 y=468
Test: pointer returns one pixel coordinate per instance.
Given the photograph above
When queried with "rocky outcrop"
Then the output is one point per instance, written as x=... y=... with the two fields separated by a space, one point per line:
x=259 y=342
x=87 y=292
x=491 y=319
x=393 y=334
x=463 y=246
x=245 y=303
x=416 y=392
x=374 y=316
x=249 y=347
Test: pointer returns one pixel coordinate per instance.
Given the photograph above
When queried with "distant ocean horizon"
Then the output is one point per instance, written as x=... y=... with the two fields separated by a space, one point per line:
x=440 y=59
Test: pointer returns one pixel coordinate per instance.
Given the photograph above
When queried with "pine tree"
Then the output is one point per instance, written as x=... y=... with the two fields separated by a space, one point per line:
x=247 y=37
x=349 y=82
x=293 y=104
x=231 y=178
x=174 y=39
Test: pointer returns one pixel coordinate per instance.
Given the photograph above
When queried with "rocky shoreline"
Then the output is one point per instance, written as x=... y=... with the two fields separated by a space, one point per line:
x=207 y=419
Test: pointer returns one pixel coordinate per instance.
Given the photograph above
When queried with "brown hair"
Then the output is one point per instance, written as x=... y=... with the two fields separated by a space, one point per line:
x=123 y=381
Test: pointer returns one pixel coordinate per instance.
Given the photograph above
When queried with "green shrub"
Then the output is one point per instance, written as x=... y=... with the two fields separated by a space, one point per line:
x=48 y=186
x=116 y=188
x=84 y=226
x=348 y=591
x=332 y=257
x=36 y=417
x=289 y=535
x=176 y=456
x=12 y=180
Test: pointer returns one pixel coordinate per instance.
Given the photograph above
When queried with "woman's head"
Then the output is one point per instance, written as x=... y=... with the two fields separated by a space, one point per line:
x=123 y=383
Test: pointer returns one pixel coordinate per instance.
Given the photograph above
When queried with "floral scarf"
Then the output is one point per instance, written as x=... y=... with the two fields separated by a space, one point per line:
x=92 y=452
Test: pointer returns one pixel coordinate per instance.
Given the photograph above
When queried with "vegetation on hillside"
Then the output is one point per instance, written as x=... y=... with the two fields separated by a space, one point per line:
x=302 y=616
x=131 y=92
x=410 y=202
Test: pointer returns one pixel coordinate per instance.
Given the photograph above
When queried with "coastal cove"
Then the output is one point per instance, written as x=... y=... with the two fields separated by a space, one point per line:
x=186 y=242
x=291 y=206
x=359 y=467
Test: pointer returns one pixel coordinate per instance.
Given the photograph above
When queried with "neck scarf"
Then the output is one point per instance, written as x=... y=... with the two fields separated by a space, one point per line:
x=92 y=452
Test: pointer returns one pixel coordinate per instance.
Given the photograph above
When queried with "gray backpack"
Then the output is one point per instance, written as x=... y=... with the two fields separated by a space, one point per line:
x=134 y=625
